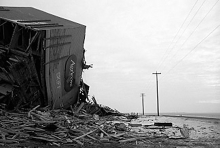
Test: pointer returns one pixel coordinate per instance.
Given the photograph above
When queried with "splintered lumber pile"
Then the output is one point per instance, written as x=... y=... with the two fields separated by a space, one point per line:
x=61 y=127
x=78 y=126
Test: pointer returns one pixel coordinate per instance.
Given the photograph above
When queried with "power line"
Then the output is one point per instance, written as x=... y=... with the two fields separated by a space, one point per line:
x=186 y=27
x=190 y=34
x=177 y=33
x=195 y=28
x=192 y=49
x=149 y=86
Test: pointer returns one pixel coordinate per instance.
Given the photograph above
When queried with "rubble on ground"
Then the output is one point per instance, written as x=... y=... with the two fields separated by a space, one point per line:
x=91 y=124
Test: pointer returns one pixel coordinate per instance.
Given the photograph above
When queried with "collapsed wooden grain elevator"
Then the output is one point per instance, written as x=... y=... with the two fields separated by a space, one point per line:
x=41 y=58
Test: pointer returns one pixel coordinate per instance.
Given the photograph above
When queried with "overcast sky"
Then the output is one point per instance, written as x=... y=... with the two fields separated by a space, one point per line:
x=128 y=40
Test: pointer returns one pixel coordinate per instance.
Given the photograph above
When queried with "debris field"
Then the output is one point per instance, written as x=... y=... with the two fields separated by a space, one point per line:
x=76 y=126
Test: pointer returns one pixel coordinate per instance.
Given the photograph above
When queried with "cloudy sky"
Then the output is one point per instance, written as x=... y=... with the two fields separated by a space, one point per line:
x=128 y=40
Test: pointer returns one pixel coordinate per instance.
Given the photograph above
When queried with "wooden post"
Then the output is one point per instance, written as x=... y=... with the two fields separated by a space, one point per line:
x=157 y=93
x=142 y=95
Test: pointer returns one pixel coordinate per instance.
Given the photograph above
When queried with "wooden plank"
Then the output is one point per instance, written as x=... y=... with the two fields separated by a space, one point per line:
x=7 y=131
x=56 y=68
x=117 y=135
x=131 y=139
x=104 y=132
x=184 y=131
x=162 y=124
x=47 y=69
x=80 y=107
x=8 y=141
x=85 y=134
x=128 y=140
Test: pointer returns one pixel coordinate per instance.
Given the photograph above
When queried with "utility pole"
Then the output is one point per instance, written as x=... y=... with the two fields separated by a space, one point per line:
x=142 y=95
x=157 y=93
